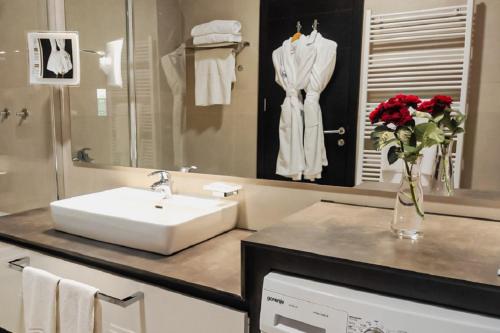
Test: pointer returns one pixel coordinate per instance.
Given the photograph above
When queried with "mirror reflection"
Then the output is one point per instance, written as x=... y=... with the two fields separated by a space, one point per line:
x=168 y=84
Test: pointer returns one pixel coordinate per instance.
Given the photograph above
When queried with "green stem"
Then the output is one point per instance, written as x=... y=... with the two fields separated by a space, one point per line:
x=446 y=168
x=412 y=189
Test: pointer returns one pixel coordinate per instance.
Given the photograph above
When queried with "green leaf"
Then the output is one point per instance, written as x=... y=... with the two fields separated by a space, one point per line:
x=392 y=154
x=438 y=117
x=404 y=134
x=459 y=117
x=432 y=135
x=420 y=130
x=382 y=136
x=420 y=114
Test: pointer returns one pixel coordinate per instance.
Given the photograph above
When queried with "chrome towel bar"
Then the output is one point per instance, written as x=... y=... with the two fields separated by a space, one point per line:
x=21 y=263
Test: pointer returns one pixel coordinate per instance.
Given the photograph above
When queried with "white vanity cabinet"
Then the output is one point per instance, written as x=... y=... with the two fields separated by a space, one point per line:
x=162 y=311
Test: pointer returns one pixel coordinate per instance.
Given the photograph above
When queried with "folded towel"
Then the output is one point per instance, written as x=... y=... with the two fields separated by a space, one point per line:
x=39 y=300
x=216 y=27
x=216 y=38
x=214 y=74
x=76 y=307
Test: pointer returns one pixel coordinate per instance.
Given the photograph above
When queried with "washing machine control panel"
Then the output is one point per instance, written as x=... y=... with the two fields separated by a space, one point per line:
x=363 y=325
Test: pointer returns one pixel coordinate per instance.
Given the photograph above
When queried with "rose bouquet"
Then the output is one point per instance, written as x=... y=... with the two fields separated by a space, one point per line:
x=439 y=111
x=398 y=129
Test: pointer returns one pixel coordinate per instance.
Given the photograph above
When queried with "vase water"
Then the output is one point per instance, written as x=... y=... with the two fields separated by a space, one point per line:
x=408 y=211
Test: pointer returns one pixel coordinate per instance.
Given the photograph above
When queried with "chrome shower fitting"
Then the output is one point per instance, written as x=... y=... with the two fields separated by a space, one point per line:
x=23 y=114
x=4 y=114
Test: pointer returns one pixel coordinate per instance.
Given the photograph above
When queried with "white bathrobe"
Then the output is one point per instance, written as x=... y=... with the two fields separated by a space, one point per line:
x=174 y=66
x=321 y=73
x=292 y=62
x=59 y=60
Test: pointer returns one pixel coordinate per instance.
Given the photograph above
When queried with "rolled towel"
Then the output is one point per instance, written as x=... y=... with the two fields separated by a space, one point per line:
x=217 y=27
x=216 y=38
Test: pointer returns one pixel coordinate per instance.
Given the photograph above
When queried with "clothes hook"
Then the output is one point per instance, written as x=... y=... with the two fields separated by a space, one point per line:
x=315 y=24
x=299 y=26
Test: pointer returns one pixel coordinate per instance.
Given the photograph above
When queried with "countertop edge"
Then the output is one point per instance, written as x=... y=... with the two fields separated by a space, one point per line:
x=205 y=293
x=401 y=273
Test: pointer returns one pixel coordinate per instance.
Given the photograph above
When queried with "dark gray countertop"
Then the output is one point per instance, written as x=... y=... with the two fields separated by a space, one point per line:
x=210 y=270
x=452 y=247
x=454 y=265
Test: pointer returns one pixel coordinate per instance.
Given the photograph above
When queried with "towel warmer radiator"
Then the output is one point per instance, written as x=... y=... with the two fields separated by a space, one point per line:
x=424 y=52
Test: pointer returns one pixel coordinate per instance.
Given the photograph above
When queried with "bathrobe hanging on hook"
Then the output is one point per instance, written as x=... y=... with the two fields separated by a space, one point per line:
x=292 y=62
x=321 y=73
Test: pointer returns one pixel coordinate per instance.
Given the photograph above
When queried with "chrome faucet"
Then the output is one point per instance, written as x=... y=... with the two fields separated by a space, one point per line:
x=188 y=169
x=164 y=184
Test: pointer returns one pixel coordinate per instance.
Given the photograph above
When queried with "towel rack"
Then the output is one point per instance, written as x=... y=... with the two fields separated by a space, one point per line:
x=237 y=46
x=21 y=263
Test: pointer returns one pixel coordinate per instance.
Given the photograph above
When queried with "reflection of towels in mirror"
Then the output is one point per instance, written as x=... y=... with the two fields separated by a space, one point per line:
x=174 y=66
x=214 y=75
x=217 y=38
x=216 y=27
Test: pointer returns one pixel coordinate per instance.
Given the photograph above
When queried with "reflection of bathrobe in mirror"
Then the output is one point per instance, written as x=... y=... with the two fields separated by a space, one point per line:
x=59 y=61
x=174 y=66
x=321 y=73
x=292 y=62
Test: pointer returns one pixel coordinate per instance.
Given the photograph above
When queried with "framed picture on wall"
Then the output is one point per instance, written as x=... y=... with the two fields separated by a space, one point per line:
x=54 y=58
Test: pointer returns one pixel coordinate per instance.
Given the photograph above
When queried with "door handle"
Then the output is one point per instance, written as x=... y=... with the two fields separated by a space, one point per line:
x=339 y=131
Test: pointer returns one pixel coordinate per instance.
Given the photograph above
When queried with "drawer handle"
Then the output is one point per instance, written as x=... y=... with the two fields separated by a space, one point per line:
x=21 y=263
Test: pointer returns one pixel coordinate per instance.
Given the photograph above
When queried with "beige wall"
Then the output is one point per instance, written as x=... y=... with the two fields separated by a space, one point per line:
x=262 y=202
x=223 y=139
x=26 y=147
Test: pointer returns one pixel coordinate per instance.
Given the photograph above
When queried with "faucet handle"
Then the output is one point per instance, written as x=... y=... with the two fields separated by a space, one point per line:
x=164 y=175
x=188 y=169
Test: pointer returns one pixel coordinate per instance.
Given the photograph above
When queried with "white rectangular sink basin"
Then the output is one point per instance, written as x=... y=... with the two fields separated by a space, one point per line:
x=128 y=216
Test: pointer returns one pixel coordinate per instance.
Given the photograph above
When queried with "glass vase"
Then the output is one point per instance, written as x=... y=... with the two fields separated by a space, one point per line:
x=442 y=175
x=408 y=210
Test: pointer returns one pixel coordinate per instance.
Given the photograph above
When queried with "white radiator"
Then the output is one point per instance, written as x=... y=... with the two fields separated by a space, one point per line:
x=424 y=52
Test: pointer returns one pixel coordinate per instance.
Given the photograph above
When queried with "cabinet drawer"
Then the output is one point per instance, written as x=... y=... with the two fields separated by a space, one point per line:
x=161 y=310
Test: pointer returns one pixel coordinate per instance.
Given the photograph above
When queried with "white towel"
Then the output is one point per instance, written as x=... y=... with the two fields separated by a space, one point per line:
x=216 y=38
x=216 y=27
x=76 y=307
x=39 y=300
x=214 y=74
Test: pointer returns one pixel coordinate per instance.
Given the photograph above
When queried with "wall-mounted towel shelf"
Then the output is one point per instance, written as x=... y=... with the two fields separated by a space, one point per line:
x=237 y=46
x=21 y=263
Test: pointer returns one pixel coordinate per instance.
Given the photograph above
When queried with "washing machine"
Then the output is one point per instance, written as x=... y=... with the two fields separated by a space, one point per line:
x=296 y=305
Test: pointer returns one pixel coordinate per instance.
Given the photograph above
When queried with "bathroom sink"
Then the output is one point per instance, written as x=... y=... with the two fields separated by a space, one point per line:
x=133 y=217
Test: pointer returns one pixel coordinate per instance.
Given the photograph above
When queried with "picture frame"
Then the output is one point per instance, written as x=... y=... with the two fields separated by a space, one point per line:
x=54 y=58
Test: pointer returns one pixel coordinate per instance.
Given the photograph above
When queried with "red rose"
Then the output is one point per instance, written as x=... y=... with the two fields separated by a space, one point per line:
x=427 y=106
x=435 y=105
x=398 y=116
x=395 y=110
x=409 y=100
x=376 y=113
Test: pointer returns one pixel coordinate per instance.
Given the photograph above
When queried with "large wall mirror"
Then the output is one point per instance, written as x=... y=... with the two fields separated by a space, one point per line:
x=139 y=104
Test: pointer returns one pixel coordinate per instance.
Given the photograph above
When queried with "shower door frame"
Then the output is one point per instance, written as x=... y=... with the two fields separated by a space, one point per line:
x=61 y=118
